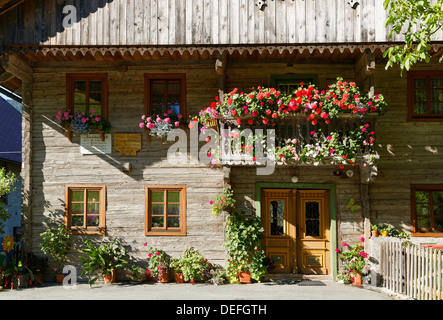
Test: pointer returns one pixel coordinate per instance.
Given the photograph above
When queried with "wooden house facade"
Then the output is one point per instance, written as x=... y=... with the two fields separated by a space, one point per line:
x=119 y=57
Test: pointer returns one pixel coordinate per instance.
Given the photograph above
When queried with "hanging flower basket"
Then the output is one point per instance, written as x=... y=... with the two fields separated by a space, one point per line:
x=75 y=122
x=160 y=125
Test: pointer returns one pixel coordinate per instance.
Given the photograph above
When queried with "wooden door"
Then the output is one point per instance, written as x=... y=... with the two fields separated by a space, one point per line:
x=279 y=225
x=313 y=232
x=296 y=236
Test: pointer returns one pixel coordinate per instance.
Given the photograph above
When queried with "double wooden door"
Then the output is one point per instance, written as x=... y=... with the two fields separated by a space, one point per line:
x=297 y=230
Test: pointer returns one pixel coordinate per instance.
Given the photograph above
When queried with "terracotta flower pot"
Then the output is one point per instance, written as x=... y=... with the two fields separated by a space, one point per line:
x=357 y=280
x=244 y=277
x=374 y=233
x=163 y=278
x=179 y=277
x=110 y=278
x=59 y=278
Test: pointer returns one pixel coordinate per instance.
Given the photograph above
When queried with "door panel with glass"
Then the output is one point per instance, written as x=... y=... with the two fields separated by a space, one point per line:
x=296 y=236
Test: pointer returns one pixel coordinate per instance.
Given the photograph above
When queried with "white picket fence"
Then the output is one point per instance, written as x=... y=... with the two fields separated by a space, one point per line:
x=412 y=270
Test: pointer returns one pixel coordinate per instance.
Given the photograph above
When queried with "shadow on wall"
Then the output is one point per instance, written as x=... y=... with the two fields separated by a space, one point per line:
x=35 y=22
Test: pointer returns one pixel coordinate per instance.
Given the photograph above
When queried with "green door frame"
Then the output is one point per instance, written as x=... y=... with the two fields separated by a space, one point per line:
x=312 y=186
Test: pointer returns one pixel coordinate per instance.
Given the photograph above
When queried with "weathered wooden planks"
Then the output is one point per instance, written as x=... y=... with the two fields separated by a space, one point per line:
x=180 y=22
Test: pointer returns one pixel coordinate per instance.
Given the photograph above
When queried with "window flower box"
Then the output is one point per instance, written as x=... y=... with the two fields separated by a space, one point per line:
x=75 y=122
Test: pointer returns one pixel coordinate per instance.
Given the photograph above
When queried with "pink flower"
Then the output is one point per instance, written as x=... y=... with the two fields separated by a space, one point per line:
x=167 y=120
x=179 y=116
x=157 y=253
x=151 y=125
x=362 y=239
x=177 y=124
x=158 y=120
x=145 y=244
x=345 y=244
x=148 y=272
x=84 y=120
x=336 y=250
x=192 y=281
x=211 y=202
x=149 y=255
x=329 y=138
x=142 y=125
x=97 y=119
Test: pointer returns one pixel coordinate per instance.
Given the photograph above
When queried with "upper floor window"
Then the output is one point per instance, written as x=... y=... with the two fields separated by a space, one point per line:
x=427 y=210
x=85 y=208
x=88 y=92
x=425 y=95
x=165 y=92
x=287 y=83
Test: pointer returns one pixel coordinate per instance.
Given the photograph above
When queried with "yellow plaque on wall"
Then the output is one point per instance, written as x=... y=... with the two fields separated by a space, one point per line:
x=127 y=144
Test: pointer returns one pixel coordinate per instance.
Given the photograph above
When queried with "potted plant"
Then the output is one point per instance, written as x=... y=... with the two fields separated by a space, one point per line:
x=38 y=266
x=135 y=273
x=243 y=237
x=223 y=202
x=354 y=262
x=56 y=243
x=105 y=258
x=83 y=123
x=58 y=274
x=375 y=230
x=217 y=276
x=160 y=124
x=177 y=269
x=194 y=265
x=158 y=264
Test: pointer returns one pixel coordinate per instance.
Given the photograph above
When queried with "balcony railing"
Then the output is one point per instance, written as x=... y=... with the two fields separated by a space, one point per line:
x=348 y=139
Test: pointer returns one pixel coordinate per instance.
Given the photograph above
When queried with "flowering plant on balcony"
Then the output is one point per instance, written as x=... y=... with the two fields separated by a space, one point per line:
x=83 y=122
x=161 y=124
x=268 y=105
x=208 y=116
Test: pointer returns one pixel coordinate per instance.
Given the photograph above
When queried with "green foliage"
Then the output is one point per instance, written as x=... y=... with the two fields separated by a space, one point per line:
x=103 y=258
x=223 y=202
x=135 y=273
x=242 y=243
x=56 y=243
x=392 y=231
x=193 y=265
x=352 y=206
x=417 y=21
x=7 y=180
x=158 y=262
x=353 y=260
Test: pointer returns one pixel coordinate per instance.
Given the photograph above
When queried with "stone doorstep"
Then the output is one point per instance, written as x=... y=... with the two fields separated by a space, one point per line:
x=295 y=276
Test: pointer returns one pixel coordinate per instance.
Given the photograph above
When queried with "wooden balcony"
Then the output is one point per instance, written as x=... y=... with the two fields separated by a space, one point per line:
x=237 y=147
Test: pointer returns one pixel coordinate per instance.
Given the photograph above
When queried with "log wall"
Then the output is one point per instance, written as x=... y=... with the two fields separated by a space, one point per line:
x=410 y=152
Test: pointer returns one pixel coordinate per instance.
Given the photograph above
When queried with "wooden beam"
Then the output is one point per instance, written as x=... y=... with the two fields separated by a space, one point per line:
x=220 y=68
x=364 y=71
x=18 y=67
x=6 y=5
x=5 y=77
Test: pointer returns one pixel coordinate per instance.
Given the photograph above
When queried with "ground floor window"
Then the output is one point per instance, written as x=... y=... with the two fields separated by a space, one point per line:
x=427 y=210
x=85 y=208
x=165 y=210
